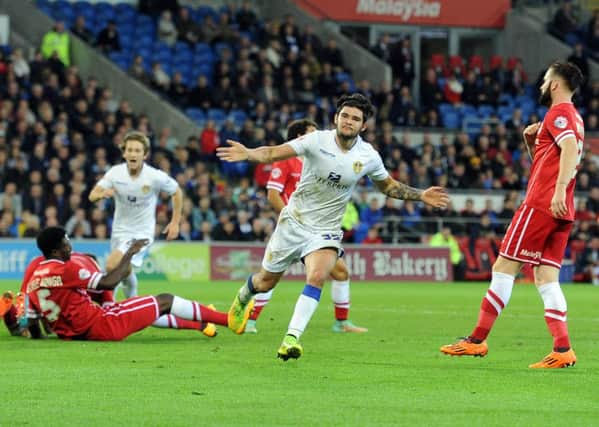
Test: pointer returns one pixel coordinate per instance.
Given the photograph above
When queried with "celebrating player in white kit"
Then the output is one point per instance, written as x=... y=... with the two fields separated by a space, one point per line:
x=135 y=186
x=309 y=227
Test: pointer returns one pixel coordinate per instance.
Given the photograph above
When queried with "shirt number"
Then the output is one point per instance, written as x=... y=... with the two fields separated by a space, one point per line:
x=579 y=147
x=50 y=309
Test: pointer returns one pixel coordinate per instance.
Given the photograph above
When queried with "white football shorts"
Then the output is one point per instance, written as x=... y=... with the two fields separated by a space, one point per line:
x=292 y=241
x=122 y=243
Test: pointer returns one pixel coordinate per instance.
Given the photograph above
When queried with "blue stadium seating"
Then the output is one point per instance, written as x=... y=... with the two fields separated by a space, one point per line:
x=486 y=110
x=451 y=120
x=238 y=117
x=218 y=115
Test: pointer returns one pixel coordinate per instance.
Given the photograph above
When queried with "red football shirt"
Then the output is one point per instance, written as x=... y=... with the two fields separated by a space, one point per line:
x=561 y=121
x=57 y=289
x=284 y=177
x=100 y=297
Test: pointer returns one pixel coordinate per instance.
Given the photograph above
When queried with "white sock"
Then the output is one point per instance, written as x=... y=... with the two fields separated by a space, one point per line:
x=554 y=301
x=166 y=321
x=186 y=309
x=130 y=285
x=304 y=309
x=340 y=293
x=262 y=299
x=500 y=291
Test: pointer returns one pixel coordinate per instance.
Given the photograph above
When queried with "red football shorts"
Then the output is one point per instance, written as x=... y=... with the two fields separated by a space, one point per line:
x=535 y=237
x=124 y=318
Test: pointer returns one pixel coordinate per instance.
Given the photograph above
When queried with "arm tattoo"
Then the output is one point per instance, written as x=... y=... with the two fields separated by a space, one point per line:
x=399 y=190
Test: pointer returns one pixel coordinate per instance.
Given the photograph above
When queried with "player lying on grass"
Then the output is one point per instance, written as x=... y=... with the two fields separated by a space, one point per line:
x=57 y=291
x=282 y=182
x=14 y=312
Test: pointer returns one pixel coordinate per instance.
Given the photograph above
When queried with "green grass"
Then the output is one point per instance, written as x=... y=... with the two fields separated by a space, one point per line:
x=393 y=375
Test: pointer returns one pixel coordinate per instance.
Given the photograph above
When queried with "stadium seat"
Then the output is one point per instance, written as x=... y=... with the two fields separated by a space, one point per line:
x=238 y=117
x=203 y=47
x=456 y=65
x=197 y=115
x=496 y=61
x=541 y=111
x=445 y=108
x=181 y=47
x=451 y=120
x=218 y=115
x=125 y=9
x=62 y=5
x=476 y=64
x=236 y=169
x=506 y=99
x=438 y=63
x=144 y=20
x=486 y=110
x=511 y=62
x=468 y=110
x=220 y=47
x=204 y=58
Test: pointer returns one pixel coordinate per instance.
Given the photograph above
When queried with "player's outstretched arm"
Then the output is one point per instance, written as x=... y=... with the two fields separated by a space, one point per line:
x=237 y=152
x=111 y=279
x=98 y=193
x=434 y=196
x=172 y=228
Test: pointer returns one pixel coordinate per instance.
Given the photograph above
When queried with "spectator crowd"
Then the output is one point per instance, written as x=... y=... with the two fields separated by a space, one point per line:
x=59 y=134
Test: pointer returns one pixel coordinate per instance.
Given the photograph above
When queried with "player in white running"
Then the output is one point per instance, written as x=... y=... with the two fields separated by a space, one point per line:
x=283 y=181
x=135 y=187
x=309 y=227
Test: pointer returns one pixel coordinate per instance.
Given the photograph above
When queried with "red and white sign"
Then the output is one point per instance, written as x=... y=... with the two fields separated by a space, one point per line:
x=376 y=262
x=453 y=13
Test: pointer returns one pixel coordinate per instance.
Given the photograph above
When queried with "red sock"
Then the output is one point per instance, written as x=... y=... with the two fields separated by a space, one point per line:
x=341 y=313
x=213 y=316
x=186 y=324
x=558 y=329
x=486 y=318
x=256 y=312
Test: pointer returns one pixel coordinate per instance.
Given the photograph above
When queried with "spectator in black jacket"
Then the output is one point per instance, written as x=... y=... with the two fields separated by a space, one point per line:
x=108 y=39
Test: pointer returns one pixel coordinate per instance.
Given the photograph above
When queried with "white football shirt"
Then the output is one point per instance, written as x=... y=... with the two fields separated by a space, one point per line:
x=136 y=198
x=329 y=176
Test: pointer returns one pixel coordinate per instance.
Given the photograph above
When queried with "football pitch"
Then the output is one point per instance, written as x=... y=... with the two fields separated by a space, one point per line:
x=392 y=375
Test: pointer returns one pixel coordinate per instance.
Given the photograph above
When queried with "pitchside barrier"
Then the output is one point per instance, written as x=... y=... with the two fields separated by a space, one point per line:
x=201 y=262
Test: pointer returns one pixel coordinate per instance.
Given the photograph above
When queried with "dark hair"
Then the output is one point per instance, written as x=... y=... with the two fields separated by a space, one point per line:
x=356 y=100
x=297 y=128
x=569 y=72
x=49 y=239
